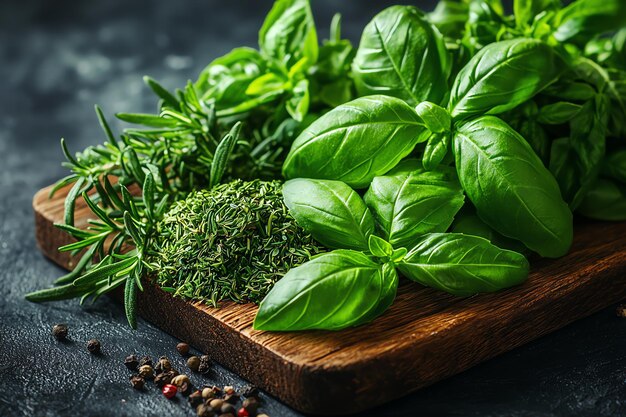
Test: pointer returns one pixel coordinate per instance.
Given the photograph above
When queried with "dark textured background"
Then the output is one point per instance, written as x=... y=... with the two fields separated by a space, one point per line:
x=58 y=58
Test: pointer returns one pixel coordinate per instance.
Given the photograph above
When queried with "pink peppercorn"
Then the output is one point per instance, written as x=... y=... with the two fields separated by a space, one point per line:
x=169 y=390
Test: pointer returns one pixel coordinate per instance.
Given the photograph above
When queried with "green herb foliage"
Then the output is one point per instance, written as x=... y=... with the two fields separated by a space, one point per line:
x=356 y=141
x=523 y=114
x=413 y=64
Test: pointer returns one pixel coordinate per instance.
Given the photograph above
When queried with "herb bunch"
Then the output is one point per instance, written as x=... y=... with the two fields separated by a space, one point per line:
x=463 y=128
x=521 y=115
x=236 y=121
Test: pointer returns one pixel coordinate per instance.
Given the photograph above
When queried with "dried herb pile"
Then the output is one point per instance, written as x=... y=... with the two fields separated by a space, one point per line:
x=232 y=242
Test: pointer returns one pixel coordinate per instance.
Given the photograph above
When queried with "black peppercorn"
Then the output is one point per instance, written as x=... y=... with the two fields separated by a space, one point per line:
x=131 y=362
x=93 y=346
x=193 y=363
x=185 y=388
x=216 y=404
x=146 y=371
x=204 y=410
x=137 y=381
x=146 y=360
x=163 y=365
x=251 y=405
x=250 y=391
x=164 y=378
x=195 y=398
x=231 y=398
x=182 y=348
x=59 y=331
x=205 y=364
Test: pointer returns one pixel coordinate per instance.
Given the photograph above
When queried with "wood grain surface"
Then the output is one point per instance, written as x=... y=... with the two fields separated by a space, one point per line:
x=424 y=337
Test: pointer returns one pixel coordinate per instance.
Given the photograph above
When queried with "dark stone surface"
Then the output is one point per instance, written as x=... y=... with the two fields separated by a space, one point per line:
x=57 y=60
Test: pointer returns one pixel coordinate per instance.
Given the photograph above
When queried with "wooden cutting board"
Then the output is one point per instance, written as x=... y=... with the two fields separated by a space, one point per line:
x=424 y=337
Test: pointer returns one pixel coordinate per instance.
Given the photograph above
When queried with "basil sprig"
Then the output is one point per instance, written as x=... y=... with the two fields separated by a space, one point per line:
x=346 y=288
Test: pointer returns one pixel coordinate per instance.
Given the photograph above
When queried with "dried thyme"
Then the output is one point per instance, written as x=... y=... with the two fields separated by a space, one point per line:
x=232 y=242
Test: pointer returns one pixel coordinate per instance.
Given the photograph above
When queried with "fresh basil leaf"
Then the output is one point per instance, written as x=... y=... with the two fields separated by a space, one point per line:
x=298 y=103
x=436 y=150
x=510 y=187
x=558 y=113
x=526 y=10
x=468 y=223
x=463 y=265
x=406 y=207
x=571 y=90
x=503 y=75
x=615 y=166
x=436 y=118
x=486 y=24
x=536 y=136
x=356 y=141
x=402 y=55
x=449 y=17
x=267 y=83
x=332 y=291
x=331 y=211
x=226 y=79
x=606 y=200
x=585 y=18
x=288 y=33
x=380 y=248
x=387 y=294
x=576 y=161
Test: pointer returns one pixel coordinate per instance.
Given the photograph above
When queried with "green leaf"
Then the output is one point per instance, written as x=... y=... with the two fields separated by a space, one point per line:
x=468 y=223
x=558 y=113
x=147 y=119
x=227 y=78
x=606 y=200
x=435 y=151
x=380 y=248
x=408 y=206
x=356 y=141
x=103 y=270
x=332 y=291
x=526 y=10
x=288 y=33
x=63 y=292
x=148 y=193
x=402 y=55
x=331 y=211
x=450 y=17
x=222 y=154
x=510 y=187
x=160 y=91
x=70 y=200
x=614 y=166
x=130 y=302
x=586 y=18
x=463 y=265
x=105 y=126
x=503 y=75
x=436 y=118
x=576 y=161
x=79 y=268
x=298 y=104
